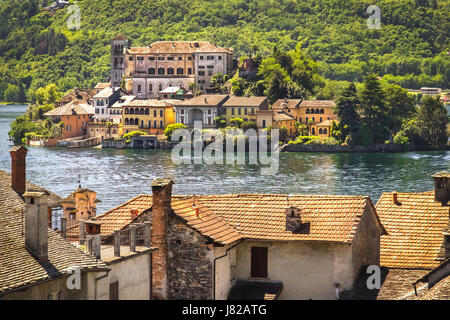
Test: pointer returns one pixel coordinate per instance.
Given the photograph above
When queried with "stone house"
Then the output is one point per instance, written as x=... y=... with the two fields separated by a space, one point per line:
x=278 y=246
x=243 y=107
x=417 y=243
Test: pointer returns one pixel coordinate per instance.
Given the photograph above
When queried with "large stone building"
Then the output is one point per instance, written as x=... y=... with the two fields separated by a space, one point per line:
x=268 y=246
x=149 y=70
x=203 y=108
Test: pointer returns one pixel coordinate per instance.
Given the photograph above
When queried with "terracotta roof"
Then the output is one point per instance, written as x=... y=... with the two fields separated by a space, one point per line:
x=317 y=103
x=17 y=267
x=415 y=230
x=67 y=110
x=235 y=101
x=281 y=116
x=327 y=123
x=255 y=216
x=286 y=104
x=440 y=291
x=102 y=85
x=205 y=100
x=152 y=103
x=119 y=37
x=83 y=95
x=106 y=92
x=179 y=47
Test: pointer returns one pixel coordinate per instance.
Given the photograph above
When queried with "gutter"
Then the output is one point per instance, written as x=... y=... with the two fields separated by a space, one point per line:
x=99 y=278
x=214 y=269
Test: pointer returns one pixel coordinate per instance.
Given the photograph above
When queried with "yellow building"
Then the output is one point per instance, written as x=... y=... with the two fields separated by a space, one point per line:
x=323 y=129
x=281 y=119
x=150 y=116
x=289 y=106
x=243 y=107
x=80 y=204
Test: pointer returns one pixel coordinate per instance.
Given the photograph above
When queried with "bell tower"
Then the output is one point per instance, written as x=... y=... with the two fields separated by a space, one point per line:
x=119 y=44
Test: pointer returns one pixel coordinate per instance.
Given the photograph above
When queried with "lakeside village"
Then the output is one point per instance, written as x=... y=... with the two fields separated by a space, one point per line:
x=223 y=246
x=167 y=85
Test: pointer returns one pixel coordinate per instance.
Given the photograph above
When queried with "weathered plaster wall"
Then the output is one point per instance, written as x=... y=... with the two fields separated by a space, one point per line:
x=223 y=272
x=44 y=290
x=133 y=275
x=307 y=270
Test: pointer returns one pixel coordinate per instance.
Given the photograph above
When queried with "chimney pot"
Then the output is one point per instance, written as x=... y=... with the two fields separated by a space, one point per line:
x=36 y=223
x=18 y=169
x=293 y=219
x=442 y=187
x=395 y=197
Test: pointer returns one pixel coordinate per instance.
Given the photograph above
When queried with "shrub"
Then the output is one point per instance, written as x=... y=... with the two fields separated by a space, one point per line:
x=132 y=134
x=171 y=129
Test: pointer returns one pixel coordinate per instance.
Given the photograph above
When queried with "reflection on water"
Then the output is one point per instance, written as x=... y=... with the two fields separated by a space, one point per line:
x=118 y=175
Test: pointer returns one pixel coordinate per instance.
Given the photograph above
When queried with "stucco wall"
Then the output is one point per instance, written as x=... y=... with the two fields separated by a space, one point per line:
x=307 y=270
x=133 y=275
x=44 y=290
x=223 y=273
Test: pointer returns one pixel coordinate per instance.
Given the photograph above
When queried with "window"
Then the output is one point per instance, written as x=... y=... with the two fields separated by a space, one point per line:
x=239 y=111
x=180 y=58
x=258 y=262
x=201 y=73
x=114 y=291
x=151 y=58
x=170 y=71
x=209 y=73
x=160 y=87
x=150 y=87
x=149 y=124
x=189 y=70
x=154 y=113
x=253 y=110
x=151 y=70
x=322 y=111
x=189 y=58
x=154 y=123
x=160 y=58
x=170 y=58
x=130 y=58
x=182 y=111
x=219 y=57
x=325 y=131
x=161 y=124
x=140 y=58
x=96 y=110
x=210 y=57
x=201 y=57
x=232 y=110
x=139 y=89
x=160 y=113
x=245 y=110
x=307 y=110
x=320 y=131
x=160 y=70
x=264 y=123
x=180 y=71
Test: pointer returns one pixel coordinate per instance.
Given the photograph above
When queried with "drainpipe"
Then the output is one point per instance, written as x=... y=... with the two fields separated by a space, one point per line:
x=214 y=271
x=99 y=278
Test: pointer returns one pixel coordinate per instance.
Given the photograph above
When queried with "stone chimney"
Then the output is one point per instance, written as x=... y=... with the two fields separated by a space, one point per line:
x=395 y=197
x=442 y=187
x=162 y=195
x=18 y=169
x=36 y=223
x=293 y=219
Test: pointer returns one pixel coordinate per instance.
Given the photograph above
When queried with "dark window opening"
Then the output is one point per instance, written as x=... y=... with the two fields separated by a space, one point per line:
x=259 y=262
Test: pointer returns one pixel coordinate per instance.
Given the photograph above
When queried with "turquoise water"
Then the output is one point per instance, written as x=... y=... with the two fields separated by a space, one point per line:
x=118 y=175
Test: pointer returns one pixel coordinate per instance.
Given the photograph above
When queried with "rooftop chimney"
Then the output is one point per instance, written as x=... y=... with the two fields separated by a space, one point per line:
x=395 y=197
x=162 y=195
x=293 y=219
x=442 y=187
x=36 y=223
x=18 y=169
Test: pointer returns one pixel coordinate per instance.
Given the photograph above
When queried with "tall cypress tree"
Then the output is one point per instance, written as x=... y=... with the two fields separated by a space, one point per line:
x=375 y=112
x=347 y=106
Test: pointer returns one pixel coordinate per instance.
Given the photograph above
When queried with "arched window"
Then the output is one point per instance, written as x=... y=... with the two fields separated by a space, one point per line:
x=131 y=111
x=312 y=110
x=325 y=131
x=170 y=85
x=136 y=110
x=170 y=71
x=320 y=131
x=307 y=110
x=180 y=71
x=126 y=121
x=313 y=131
x=160 y=70
x=142 y=111
x=146 y=111
x=322 y=111
x=151 y=70
x=317 y=111
x=160 y=87
x=136 y=121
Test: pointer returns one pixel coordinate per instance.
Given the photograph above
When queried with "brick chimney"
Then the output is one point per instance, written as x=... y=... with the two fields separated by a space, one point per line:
x=442 y=187
x=36 y=223
x=18 y=169
x=162 y=194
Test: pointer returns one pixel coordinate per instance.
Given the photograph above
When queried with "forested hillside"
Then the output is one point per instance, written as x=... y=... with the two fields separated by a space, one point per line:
x=410 y=49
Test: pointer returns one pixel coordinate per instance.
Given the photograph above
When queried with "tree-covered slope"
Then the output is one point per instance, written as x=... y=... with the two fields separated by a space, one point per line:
x=410 y=48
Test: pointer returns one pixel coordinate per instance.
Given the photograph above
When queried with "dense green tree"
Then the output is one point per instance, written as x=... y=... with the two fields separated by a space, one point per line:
x=432 y=121
x=14 y=93
x=347 y=107
x=400 y=106
x=376 y=115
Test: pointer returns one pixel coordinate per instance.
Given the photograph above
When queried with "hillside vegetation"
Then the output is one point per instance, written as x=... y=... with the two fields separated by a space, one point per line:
x=410 y=49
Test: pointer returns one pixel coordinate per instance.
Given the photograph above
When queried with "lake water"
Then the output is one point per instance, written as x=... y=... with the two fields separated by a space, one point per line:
x=119 y=175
